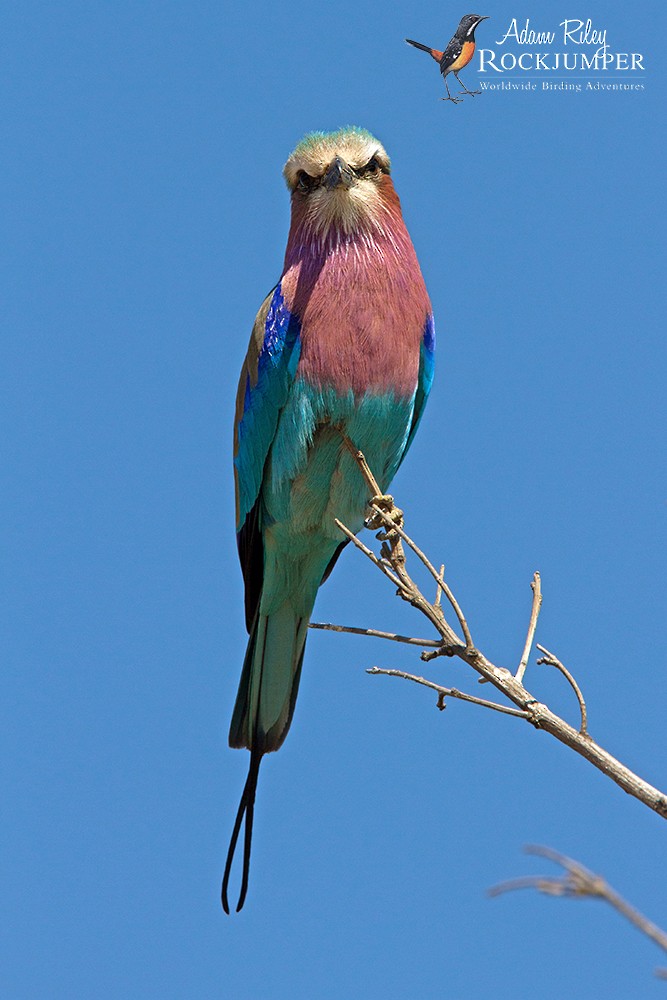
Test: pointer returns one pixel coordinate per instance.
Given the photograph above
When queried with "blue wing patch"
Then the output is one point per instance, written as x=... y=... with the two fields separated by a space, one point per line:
x=425 y=377
x=266 y=377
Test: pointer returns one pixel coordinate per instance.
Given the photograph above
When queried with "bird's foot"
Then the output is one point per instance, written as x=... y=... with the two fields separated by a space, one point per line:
x=376 y=522
x=454 y=100
x=472 y=93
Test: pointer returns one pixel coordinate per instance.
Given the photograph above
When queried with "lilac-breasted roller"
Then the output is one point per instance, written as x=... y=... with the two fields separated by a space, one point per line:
x=343 y=345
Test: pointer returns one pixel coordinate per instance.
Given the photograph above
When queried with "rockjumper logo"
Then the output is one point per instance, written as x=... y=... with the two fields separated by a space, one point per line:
x=585 y=49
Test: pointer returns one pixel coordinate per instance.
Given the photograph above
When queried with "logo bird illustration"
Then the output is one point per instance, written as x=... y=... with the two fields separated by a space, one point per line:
x=457 y=55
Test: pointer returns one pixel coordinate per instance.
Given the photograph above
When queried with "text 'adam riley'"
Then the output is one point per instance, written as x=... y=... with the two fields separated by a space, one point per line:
x=592 y=53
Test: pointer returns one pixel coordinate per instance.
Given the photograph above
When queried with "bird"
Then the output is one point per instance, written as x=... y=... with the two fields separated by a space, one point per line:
x=458 y=53
x=342 y=350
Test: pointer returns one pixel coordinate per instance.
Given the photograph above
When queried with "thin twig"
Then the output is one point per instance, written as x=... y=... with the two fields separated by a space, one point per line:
x=445 y=692
x=360 y=459
x=553 y=661
x=415 y=548
x=577 y=883
x=394 y=529
x=376 y=634
x=457 y=611
x=438 y=577
x=367 y=552
x=536 y=587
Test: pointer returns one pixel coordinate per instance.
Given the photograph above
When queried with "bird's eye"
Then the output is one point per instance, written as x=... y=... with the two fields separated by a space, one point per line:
x=372 y=167
x=304 y=182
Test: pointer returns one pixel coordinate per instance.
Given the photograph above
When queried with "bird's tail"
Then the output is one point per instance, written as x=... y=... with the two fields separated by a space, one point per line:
x=263 y=711
x=426 y=48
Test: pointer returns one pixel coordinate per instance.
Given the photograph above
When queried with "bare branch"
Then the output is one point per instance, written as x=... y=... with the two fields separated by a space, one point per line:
x=536 y=587
x=392 y=563
x=326 y=626
x=579 y=883
x=445 y=692
x=553 y=661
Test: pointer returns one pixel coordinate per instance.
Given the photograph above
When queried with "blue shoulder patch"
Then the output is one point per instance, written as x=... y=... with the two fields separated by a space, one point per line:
x=428 y=341
x=427 y=356
x=425 y=377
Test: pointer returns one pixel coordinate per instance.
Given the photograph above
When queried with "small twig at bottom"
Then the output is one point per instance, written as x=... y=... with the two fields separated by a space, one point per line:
x=578 y=883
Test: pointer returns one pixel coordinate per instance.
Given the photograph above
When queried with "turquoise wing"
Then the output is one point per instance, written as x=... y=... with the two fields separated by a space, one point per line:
x=266 y=377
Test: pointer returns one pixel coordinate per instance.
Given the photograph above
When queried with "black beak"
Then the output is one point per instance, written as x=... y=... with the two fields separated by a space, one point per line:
x=338 y=174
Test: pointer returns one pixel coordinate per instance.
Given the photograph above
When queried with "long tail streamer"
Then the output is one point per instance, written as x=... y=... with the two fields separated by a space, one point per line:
x=246 y=809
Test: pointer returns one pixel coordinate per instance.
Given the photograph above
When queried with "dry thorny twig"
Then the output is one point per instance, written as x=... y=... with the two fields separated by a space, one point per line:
x=580 y=883
x=392 y=563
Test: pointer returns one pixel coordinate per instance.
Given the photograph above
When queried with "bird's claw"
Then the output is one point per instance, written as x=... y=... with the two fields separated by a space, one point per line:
x=376 y=522
x=454 y=100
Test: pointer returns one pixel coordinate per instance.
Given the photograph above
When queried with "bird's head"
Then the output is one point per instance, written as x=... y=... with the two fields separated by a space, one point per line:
x=467 y=25
x=340 y=182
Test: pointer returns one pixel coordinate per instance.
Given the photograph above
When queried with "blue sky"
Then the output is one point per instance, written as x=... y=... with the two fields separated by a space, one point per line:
x=145 y=218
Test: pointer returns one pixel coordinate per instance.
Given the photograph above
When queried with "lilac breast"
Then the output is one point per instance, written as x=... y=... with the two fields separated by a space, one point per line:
x=362 y=304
